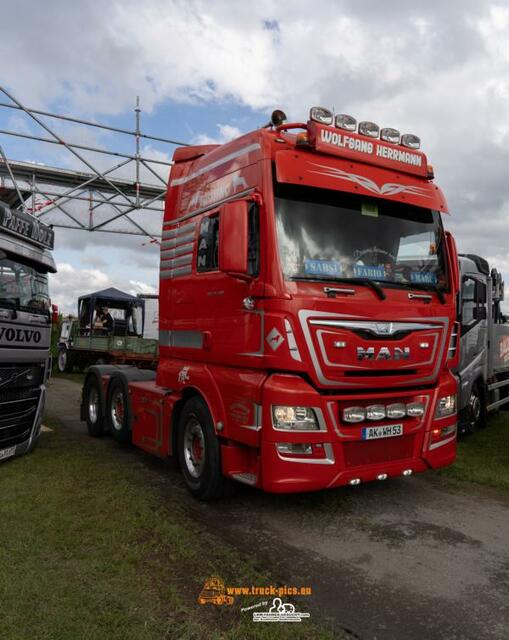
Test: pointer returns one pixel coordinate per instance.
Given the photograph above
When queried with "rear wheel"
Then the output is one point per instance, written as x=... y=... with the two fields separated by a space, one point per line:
x=93 y=407
x=118 y=411
x=199 y=452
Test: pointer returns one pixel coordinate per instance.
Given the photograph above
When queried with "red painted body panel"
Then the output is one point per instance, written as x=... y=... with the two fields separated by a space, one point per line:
x=278 y=350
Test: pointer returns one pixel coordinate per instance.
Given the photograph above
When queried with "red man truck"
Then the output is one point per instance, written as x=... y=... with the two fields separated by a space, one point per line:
x=307 y=314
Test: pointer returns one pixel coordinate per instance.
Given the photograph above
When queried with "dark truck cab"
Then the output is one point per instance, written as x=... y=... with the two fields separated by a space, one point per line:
x=25 y=328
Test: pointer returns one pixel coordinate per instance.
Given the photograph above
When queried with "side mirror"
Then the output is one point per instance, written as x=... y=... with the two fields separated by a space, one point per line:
x=480 y=292
x=452 y=261
x=54 y=313
x=233 y=239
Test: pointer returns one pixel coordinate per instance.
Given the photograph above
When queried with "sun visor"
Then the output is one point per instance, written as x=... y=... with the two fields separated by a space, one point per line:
x=326 y=172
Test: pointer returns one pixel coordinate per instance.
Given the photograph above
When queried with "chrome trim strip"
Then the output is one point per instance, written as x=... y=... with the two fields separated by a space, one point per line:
x=213 y=165
x=375 y=327
x=214 y=205
x=177 y=262
x=292 y=343
x=174 y=273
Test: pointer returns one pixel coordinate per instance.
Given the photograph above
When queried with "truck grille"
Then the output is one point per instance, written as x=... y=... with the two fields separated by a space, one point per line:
x=19 y=399
x=16 y=420
x=363 y=452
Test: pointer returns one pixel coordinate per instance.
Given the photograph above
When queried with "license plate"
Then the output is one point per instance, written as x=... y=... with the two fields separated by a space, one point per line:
x=387 y=431
x=7 y=453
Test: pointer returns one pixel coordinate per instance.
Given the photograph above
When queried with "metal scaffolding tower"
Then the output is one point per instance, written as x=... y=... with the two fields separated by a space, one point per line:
x=97 y=189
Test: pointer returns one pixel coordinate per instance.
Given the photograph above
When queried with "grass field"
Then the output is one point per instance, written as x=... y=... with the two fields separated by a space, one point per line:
x=93 y=548
x=483 y=458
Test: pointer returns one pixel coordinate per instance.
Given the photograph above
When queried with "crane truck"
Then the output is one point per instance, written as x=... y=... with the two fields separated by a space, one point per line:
x=307 y=324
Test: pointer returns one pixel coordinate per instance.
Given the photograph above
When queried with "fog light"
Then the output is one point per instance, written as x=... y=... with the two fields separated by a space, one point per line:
x=298 y=448
x=321 y=115
x=381 y=476
x=354 y=414
x=369 y=129
x=346 y=122
x=355 y=481
x=415 y=409
x=396 y=410
x=446 y=406
x=407 y=472
x=375 y=412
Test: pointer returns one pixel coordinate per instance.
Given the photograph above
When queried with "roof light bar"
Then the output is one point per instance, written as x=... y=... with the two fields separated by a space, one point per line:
x=321 y=115
x=410 y=141
x=390 y=135
x=369 y=129
x=344 y=121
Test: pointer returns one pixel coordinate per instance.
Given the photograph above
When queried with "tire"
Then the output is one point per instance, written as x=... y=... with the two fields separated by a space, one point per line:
x=65 y=360
x=199 y=452
x=475 y=417
x=118 y=411
x=92 y=400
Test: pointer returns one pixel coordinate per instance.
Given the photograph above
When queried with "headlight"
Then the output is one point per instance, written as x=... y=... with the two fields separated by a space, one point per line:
x=294 y=418
x=415 y=409
x=354 y=414
x=446 y=406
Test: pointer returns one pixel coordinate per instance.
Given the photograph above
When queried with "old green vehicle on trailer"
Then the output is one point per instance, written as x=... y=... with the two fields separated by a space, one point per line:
x=109 y=329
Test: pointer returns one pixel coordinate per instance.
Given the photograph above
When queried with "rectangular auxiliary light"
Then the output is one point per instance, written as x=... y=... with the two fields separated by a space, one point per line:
x=321 y=115
x=410 y=141
x=390 y=135
x=369 y=129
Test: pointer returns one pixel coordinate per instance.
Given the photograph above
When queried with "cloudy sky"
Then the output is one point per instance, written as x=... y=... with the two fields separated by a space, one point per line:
x=209 y=70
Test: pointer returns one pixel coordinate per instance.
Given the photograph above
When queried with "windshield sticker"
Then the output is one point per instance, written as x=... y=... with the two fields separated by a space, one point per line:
x=369 y=209
x=365 y=271
x=423 y=277
x=323 y=267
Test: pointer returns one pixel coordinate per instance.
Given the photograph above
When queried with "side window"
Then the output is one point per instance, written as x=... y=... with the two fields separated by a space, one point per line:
x=208 y=244
x=253 y=243
x=473 y=295
x=468 y=301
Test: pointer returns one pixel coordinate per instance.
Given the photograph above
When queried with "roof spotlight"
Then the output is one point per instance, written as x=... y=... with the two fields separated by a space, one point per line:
x=321 y=115
x=369 y=129
x=410 y=141
x=277 y=118
x=390 y=135
x=343 y=121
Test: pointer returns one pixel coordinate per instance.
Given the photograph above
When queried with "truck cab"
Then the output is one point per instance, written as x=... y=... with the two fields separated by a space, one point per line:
x=307 y=311
x=25 y=328
x=483 y=369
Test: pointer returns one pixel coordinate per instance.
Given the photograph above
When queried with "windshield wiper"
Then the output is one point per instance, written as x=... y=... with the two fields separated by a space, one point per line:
x=424 y=287
x=362 y=281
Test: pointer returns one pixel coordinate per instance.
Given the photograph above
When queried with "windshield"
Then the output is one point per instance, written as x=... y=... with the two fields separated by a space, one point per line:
x=23 y=287
x=326 y=234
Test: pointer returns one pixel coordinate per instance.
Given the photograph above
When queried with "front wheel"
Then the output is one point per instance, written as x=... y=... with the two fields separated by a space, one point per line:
x=476 y=411
x=199 y=452
x=64 y=360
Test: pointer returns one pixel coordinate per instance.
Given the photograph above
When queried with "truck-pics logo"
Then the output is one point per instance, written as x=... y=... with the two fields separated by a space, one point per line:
x=384 y=353
x=214 y=592
x=280 y=612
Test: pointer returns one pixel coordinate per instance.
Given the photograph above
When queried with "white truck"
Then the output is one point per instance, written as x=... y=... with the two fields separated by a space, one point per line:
x=484 y=365
x=25 y=328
